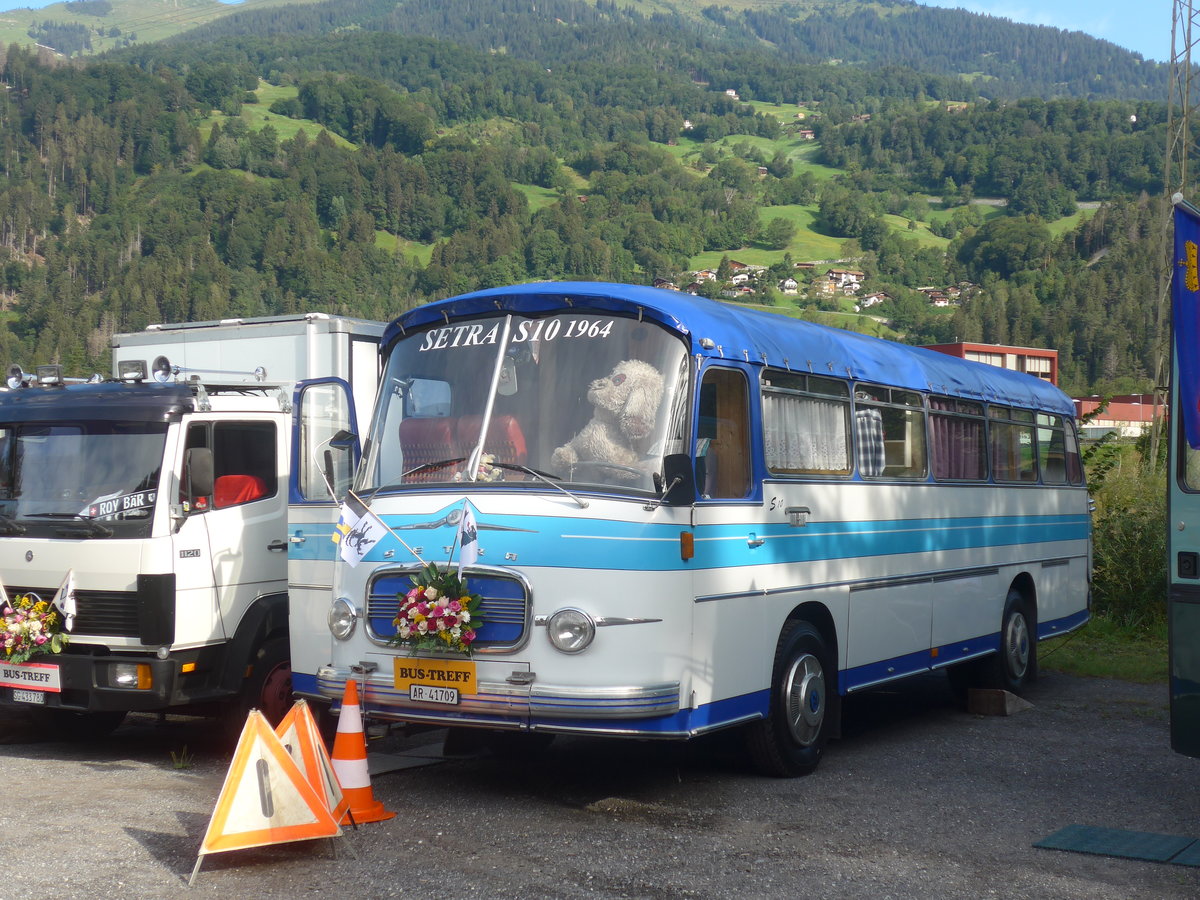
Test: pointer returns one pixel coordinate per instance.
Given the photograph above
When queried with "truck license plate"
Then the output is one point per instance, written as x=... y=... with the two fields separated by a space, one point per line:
x=21 y=696
x=431 y=694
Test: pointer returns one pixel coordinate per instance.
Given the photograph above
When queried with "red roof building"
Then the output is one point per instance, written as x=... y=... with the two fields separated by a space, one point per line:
x=1030 y=360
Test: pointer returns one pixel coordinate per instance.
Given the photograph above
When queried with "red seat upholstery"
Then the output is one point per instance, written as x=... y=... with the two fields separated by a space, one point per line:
x=230 y=490
x=426 y=441
x=505 y=440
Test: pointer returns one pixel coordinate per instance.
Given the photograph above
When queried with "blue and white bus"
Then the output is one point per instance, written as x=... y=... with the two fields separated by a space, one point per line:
x=693 y=516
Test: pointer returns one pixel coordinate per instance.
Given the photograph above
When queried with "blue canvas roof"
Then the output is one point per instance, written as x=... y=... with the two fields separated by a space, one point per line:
x=753 y=336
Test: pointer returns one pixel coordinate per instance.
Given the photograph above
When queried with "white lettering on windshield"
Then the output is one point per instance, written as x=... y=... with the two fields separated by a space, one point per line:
x=459 y=336
x=541 y=330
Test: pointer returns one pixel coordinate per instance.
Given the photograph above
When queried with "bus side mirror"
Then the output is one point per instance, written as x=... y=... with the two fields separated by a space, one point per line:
x=679 y=480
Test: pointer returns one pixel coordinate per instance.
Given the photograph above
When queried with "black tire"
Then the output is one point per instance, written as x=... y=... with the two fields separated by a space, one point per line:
x=790 y=741
x=67 y=725
x=1016 y=662
x=267 y=689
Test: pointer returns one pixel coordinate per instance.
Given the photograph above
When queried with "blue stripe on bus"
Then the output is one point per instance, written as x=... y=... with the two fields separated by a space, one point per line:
x=556 y=542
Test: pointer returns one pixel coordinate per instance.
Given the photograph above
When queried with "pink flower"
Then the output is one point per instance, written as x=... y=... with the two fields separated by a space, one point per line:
x=468 y=635
x=455 y=606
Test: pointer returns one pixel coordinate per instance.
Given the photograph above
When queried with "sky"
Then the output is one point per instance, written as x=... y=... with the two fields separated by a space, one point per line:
x=1143 y=26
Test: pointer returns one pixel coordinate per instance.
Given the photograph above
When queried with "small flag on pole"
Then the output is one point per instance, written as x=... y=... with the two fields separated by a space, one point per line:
x=468 y=539
x=357 y=531
x=65 y=600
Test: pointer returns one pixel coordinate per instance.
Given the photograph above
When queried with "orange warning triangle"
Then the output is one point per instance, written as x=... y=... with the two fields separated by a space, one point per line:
x=265 y=799
x=299 y=734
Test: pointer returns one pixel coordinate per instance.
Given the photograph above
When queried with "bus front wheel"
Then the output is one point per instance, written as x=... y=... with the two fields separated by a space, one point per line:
x=790 y=741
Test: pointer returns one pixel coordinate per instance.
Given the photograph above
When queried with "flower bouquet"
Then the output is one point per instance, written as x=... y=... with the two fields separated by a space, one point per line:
x=438 y=613
x=31 y=627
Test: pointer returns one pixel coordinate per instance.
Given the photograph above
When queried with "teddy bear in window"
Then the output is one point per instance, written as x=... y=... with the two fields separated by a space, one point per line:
x=625 y=404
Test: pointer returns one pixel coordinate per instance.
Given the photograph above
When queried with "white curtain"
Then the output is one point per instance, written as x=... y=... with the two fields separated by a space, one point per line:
x=805 y=434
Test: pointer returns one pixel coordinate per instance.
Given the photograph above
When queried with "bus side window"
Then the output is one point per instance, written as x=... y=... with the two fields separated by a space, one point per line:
x=723 y=438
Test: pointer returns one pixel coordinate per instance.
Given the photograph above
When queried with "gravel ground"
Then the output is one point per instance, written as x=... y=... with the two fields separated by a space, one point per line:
x=917 y=799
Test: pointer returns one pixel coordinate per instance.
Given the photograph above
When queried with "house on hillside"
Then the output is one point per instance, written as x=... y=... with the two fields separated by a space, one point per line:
x=873 y=299
x=789 y=285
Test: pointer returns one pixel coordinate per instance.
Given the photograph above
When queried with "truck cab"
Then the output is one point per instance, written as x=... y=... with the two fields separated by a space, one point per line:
x=163 y=493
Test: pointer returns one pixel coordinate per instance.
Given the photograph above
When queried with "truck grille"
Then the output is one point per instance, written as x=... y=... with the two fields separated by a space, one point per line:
x=505 y=608
x=108 y=613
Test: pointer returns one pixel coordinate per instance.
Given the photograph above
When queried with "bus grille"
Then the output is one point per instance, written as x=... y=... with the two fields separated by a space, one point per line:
x=505 y=608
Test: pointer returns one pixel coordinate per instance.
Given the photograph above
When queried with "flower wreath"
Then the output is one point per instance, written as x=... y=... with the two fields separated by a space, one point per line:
x=438 y=613
x=32 y=626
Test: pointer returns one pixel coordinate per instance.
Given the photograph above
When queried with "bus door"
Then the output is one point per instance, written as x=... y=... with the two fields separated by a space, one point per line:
x=1183 y=589
x=1183 y=488
x=325 y=452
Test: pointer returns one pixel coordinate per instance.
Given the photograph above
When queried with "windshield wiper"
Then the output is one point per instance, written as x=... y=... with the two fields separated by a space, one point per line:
x=86 y=524
x=10 y=525
x=541 y=476
x=439 y=464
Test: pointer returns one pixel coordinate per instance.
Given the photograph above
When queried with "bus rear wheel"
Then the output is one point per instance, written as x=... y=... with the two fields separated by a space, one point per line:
x=790 y=741
x=1016 y=662
x=1013 y=665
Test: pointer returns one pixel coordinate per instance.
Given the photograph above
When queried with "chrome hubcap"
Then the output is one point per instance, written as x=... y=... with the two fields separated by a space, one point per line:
x=804 y=699
x=1016 y=645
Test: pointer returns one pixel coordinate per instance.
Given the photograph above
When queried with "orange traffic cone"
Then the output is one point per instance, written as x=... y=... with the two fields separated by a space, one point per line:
x=350 y=763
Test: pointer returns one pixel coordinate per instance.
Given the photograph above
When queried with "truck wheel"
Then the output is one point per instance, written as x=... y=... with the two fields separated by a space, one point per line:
x=269 y=687
x=790 y=741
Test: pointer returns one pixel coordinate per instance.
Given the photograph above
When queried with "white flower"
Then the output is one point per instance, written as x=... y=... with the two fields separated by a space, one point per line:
x=431 y=593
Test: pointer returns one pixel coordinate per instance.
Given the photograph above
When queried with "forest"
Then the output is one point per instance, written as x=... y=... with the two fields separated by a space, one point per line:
x=255 y=167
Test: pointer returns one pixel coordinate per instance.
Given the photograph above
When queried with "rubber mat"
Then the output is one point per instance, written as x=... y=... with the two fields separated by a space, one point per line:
x=1168 y=848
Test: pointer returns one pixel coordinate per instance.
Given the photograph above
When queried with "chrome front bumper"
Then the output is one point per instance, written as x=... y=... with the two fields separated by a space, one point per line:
x=513 y=701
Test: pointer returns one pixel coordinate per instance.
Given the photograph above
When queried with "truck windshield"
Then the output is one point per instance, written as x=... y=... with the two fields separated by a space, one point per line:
x=576 y=398
x=97 y=479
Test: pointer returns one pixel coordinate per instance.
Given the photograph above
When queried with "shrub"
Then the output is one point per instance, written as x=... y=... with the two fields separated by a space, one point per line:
x=1129 y=537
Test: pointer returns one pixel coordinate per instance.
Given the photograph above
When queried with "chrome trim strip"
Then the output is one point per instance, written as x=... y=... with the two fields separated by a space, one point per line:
x=860 y=584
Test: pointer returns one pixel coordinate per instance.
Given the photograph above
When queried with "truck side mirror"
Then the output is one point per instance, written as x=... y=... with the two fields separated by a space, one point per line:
x=198 y=464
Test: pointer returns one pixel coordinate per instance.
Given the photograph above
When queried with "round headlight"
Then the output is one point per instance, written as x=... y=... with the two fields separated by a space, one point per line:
x=571 y=630
x=342 y=618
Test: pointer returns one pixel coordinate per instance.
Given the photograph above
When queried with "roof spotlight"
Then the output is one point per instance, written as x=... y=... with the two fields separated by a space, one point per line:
x=131 y=370
x=15 y=378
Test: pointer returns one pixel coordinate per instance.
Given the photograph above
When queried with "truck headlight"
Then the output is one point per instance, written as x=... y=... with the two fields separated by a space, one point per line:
x=571 y=630
x=343 y=618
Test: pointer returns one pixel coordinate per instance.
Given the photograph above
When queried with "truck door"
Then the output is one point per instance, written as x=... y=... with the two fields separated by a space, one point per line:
x=240 y=529
x=325 y=452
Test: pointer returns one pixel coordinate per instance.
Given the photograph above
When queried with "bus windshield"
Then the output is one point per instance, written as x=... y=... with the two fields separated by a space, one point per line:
x=578 y=398
x=97 y=477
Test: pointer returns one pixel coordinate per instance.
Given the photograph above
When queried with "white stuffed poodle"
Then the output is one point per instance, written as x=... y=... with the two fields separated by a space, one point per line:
x=626 y=401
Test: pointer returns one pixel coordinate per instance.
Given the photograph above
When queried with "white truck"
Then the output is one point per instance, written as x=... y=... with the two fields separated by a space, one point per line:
x=165 y=490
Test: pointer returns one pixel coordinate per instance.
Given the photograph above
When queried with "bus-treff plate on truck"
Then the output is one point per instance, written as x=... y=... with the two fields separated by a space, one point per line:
x=30 y=679
x=434 y=680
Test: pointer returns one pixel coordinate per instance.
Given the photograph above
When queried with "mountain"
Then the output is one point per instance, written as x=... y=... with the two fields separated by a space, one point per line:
x=1000 y=58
